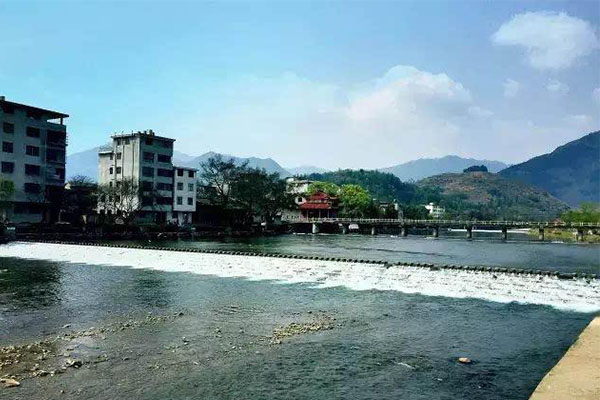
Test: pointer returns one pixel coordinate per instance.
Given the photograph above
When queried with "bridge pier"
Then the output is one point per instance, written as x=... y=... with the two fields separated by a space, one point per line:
x=315 y=228
x=541 y=234
x=404 y=231
x=504 y=233
x=344 y=229
x=373 y=230
x=436 y=231
x=580 y=234
x=469 y=232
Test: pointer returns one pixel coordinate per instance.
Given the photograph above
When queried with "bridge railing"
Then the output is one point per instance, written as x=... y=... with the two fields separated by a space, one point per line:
x=433 y=222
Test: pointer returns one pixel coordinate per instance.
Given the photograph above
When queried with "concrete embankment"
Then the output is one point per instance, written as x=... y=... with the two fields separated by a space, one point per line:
x=577 y=374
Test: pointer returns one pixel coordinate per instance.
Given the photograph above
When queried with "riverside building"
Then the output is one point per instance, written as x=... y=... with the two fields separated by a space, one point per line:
x=147 y=160
x=33 y=146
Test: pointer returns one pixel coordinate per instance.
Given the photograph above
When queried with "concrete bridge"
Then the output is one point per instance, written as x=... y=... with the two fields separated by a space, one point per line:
x=403 y=225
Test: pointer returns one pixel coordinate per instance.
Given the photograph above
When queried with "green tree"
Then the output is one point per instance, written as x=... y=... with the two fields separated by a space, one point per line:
x=355 y=202
x=326 y=187
x=588 y=212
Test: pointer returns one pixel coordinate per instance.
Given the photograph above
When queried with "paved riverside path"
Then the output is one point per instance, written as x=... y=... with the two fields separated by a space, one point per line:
x=577 y=374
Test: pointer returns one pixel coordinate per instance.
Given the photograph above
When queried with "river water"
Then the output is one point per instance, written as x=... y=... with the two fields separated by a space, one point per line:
x=213 y=337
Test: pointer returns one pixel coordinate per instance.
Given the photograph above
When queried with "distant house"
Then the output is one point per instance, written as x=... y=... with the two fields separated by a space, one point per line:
x=319 y=205
x=299 y=188
x=435 y=211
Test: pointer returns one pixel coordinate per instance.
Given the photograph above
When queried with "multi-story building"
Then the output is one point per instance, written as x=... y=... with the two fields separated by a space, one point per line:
x=32 y=156
x=146 y=160
x=184 y=194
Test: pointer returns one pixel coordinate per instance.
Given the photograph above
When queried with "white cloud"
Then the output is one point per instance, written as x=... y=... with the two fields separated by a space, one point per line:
x=511 y=88
x=479 y=112
x=551 y=40
x=557 y=87
x=406 y=93
x=579 y=120
x=404 y=114
x=596 y=94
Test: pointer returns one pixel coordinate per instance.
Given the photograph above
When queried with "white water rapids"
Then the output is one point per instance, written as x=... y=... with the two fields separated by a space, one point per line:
x=574 y=295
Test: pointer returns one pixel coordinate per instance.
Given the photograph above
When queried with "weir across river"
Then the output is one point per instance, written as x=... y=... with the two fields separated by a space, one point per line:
x=403 y=225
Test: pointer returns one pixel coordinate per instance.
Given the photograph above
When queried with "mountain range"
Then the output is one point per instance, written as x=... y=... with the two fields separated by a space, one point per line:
x=571 y=172
x=85 y=163
x=425 y=167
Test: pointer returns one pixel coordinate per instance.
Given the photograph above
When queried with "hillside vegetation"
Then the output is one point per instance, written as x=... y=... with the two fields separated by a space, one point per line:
x=472 y=195
x=483 y=195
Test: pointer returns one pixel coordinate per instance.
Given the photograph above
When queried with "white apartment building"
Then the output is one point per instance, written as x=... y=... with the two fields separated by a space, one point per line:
x=184 y=195
x=146 y=159
x=32 y=155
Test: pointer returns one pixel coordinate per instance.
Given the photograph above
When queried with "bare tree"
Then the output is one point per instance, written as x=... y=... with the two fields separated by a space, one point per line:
x=216 y=179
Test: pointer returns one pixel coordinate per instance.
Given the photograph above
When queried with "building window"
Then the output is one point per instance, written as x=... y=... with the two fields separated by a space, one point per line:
x=126 y=141
x=118 y=183
x=7 y=147
x=110 y=184
x=179 y=185
x=190 y=201
x=8 y=128
x=55 y=155
x=179 y=172
x=166 y=144
x=31 y=169
x=147 y=201
x=118 y=170
x=164 y=159
x=32 y=151
x=164 y=172
x=57 y=137
x=149 y=141
x=119 y=156
x=164 y=201
x=8 y=167
x=32 y=188
x=164 y=186
x=148 y=172
x=147 y=186
x=179 y=201
x=149 y=157
x=191 y=174
x=33 y=132
x=118 y=142
x=190 y=187
x=110 y=170
x=112 y=156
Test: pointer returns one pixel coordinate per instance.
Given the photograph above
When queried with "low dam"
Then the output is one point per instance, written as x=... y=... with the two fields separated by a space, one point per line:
x=564 y=291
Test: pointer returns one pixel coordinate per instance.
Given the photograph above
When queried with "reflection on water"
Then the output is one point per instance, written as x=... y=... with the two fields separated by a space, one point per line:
x=29 y=285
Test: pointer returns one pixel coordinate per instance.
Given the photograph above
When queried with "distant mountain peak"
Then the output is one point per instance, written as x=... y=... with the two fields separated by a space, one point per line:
x=424 y=167
x=571 y=172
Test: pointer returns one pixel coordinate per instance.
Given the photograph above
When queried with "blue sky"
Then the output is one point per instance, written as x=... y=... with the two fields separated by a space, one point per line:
x=334 y=84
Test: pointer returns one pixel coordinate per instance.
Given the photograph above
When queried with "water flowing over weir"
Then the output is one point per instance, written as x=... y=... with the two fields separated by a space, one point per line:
x=582 y=295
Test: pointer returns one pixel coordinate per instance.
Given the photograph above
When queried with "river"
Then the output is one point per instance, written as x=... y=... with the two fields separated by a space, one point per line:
x=156 y=330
